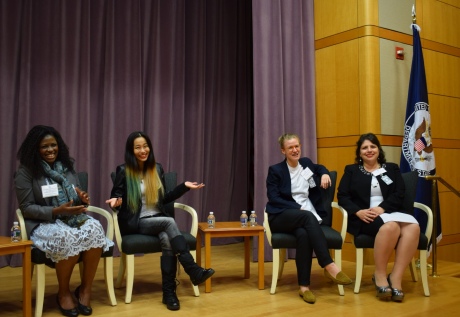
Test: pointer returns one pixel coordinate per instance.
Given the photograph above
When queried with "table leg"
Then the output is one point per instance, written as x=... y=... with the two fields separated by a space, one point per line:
x=247 y=254
x=207 y=260
x=261 y=260
x=198 y=248
x=26 y=284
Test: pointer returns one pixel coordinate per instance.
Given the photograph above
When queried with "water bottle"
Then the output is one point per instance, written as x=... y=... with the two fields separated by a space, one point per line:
x=15 y=232
x=253 y=218
x=244 y=219
x=211 y=220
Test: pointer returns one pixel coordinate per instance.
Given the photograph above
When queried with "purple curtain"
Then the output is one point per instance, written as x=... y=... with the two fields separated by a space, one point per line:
x=97 y=70
x=284 y=90
x=180 y=70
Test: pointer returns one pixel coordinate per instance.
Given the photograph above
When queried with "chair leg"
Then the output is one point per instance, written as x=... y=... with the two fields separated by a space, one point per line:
x=413 y=270
x=282 y=258
x=196 y=290
x=275 y=271
x=338 y=262
x=129 y=277
x=424 y=272
x=121 y=271
x=359 y=268
x=108 y=275
x=40 y=293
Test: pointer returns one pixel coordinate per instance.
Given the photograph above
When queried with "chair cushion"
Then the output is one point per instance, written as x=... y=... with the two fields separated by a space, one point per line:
x=288 y=241
x=363 y=241
x=39 y=257
x=140 y=243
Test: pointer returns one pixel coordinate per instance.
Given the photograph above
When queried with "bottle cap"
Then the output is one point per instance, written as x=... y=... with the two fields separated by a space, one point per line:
x=211 y=213
x=15 y=223
x=253 y=211
x=244 y=211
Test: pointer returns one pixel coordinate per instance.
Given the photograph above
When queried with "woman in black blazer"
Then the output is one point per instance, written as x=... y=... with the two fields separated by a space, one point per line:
x=372 y=192
x=294 y=206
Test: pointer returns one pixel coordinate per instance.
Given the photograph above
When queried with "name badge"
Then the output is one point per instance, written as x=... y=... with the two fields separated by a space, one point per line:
x=50 y=190
x=307 y=174
x=386 y=179
x=379 y=171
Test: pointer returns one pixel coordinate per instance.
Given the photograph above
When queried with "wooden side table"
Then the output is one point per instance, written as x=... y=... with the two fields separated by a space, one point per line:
x=230 y=229
x=8 y=247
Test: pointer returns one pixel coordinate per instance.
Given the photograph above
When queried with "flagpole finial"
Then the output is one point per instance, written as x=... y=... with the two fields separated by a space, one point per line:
x=414 y=18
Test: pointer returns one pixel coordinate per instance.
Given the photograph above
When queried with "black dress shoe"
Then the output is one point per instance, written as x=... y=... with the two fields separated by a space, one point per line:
x=67 y=312
x=84 y=310
x=383 y=292
x=397 y=295
x=203 y=276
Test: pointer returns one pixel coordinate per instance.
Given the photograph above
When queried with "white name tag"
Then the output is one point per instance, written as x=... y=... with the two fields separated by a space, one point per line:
x=386 y=179
x=379 y=171
x=307 y=174
x=50 y=190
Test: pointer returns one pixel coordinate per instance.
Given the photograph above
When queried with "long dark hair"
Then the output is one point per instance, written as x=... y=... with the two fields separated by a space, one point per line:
x=374 y=140
x=29 y=152
x=152 y=182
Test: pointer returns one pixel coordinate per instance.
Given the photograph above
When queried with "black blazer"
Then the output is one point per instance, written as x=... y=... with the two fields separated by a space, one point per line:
x=127 y=220
x=354 y=192
x=279 y=191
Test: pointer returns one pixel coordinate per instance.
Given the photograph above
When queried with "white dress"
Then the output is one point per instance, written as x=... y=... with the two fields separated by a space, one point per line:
x=59 y=241
x=377 y=198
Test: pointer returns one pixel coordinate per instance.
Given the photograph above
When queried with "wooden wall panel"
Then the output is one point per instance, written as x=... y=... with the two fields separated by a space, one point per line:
x=440 y=22
x=369 y=83
x=334 y=16
x=337 y=90
x=447 y=167
x=445 y=114
x=368 y=12
x=442 y=73
x=449 y=205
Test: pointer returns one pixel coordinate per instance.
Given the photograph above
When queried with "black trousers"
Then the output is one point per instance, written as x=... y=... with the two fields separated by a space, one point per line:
x=310 y=237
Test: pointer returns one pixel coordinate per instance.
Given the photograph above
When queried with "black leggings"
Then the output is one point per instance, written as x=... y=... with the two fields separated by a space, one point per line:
x=310 y=237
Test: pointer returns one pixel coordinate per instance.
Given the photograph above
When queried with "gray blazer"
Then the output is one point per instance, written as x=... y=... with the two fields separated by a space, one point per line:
x=34 y=207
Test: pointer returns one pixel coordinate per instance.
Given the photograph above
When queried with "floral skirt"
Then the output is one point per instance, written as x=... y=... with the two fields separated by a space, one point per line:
x=59 y=241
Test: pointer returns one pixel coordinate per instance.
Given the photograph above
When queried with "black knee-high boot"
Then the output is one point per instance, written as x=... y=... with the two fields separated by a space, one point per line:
x=197 y=274
x=168 y=275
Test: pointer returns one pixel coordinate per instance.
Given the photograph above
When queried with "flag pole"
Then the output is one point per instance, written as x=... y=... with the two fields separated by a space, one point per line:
x=434 y=233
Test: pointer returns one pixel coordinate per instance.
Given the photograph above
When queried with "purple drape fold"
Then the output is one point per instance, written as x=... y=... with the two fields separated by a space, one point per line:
x=284 y=90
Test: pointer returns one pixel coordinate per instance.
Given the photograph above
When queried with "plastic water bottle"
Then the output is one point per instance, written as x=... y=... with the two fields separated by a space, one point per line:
x=211 y=220
x=15 y=232
x=253 y=219
x=244 y=219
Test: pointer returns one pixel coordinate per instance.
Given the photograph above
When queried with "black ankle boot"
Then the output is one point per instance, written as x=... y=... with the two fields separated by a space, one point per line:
x=168 y=274
x=197 y=274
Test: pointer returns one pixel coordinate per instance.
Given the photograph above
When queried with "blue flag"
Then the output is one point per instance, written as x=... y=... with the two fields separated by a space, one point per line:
x=417 y=148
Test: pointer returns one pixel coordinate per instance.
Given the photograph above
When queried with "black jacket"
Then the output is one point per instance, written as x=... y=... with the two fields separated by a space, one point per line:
x=354 y=193
x=128 y=220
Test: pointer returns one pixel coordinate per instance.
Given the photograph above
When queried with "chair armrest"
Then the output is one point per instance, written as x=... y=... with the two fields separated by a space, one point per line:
x=22 y=224
x=343 y=230
x=429 y=214
x=116 y=229
x=192 y=212
x=268 y=231
x=107 y=216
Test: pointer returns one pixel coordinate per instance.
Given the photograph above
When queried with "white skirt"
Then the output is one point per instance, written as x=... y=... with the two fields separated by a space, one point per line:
x=59 y=241
x=398 y=217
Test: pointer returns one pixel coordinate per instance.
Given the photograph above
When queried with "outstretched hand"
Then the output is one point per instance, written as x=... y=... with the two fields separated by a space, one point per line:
x=114 y=202
x=194 y=185
x=84 y=197
x=68 y=209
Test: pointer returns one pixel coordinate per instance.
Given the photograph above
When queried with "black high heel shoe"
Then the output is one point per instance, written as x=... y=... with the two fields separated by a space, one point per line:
x=382 y=291
x=397 y=295
x=84 y=310
x=67 y=312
